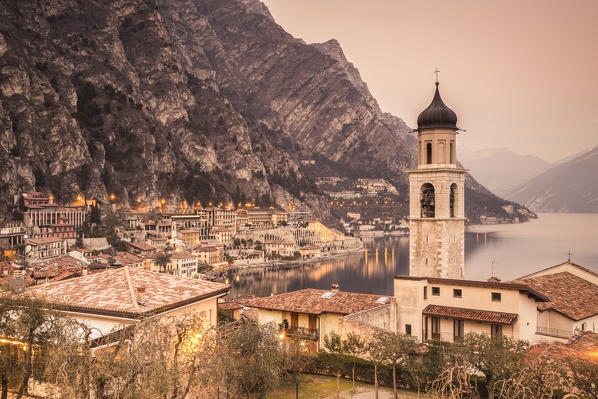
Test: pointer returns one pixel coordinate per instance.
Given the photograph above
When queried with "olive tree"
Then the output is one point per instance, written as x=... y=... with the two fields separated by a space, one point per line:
x=395 y=347
x=353 y=346
x=29 y=327
x=498 y=358
x=247 y=359
x=582 y=376
x=333 y=343
x=155 y=358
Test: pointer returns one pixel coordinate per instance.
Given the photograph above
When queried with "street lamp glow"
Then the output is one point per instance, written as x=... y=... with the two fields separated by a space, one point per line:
x=112 y=197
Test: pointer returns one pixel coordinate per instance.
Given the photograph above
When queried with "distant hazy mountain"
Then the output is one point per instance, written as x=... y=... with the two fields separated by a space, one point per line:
x=569 y=186
x=501 y=170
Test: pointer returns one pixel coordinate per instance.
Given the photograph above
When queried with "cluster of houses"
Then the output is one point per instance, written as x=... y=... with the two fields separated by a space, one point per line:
x=552 y=305
x=555 y=309
x=192 y=242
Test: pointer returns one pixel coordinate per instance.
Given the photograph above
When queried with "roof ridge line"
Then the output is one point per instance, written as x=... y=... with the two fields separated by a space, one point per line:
x=131 y=288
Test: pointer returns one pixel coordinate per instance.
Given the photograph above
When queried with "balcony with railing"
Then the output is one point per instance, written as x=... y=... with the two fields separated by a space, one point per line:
x=554 y=332
x=299 y=332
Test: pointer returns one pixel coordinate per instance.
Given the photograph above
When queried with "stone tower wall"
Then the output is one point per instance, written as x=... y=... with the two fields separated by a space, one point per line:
x=436 y=245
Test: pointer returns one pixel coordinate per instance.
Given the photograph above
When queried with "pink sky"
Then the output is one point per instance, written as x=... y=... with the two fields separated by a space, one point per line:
x=521 y=74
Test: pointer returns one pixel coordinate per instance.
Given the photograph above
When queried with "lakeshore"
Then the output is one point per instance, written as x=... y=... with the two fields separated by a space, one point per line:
x=517 y=249
x=221 y=273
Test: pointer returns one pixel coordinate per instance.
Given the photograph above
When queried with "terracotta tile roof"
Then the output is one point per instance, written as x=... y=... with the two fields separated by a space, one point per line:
x=65 y=275
x=231 y=305
x=470 y=314
x=126 y=258
x=59 y=262
x=570 y=295
x=313 y=301
x=583 y=344
x=142 y=246
x=113 y=292
x=205 y=249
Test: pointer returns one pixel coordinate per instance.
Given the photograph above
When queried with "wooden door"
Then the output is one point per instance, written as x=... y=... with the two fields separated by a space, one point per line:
x=313 y=322
x=294 y=320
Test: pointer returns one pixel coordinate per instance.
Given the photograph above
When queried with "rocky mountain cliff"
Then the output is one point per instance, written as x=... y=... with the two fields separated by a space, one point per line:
x=196 y=100
x=569 y=186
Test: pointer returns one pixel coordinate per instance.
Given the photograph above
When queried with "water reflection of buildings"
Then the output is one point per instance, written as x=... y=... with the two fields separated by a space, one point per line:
x=367 y=271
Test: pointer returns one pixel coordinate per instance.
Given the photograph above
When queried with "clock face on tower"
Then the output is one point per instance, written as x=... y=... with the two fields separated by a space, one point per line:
x=436 y=195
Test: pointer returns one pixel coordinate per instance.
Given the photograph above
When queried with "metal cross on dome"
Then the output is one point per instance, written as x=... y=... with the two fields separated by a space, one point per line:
x=436 y=72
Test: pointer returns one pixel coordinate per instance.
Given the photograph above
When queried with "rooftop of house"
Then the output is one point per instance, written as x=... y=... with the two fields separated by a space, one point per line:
x=82 y=250
x=142 y=246
x=205 y=249
x=127 y=258
x=568 y=294
x=44 y=240
x=230 y=305
x=470 y=314
x=582 y=344
x=114 y=292
x=59 y=262
x=182 y=255
x=314 y=301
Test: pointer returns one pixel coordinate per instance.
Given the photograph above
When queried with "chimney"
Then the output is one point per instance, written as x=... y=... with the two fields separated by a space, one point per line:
x=141 y=295
x=494 y=279
x=334 y=287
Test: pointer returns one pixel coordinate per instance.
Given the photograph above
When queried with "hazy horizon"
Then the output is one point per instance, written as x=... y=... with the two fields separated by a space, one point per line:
x=520 y=75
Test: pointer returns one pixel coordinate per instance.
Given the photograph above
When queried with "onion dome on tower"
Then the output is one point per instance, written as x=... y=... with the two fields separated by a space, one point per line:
x=437 y=115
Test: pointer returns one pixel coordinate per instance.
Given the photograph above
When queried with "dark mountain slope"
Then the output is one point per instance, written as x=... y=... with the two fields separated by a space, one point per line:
x=183 y=100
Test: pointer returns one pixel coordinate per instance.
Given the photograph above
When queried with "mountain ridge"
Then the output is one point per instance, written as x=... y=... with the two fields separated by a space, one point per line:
x=514 y=169
x=185 y=101
x=570 y=186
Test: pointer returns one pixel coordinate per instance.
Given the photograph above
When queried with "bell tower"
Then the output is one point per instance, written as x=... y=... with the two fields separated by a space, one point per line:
x=436 y=197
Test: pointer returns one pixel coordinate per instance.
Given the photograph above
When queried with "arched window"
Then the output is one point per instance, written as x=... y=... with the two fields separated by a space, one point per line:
x=453 y=199
x=429 y=153
x=427 y=201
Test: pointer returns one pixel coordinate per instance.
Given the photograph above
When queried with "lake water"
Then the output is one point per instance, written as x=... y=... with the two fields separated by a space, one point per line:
x=515 y=249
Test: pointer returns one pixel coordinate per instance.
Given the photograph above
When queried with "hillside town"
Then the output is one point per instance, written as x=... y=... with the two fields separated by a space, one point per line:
x=56 y=242
x=116 y=272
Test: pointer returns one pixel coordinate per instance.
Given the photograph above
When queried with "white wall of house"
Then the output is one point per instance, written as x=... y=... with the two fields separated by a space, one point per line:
x=409 y=294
